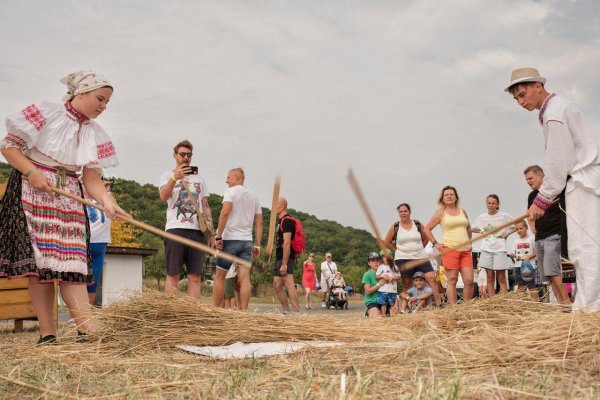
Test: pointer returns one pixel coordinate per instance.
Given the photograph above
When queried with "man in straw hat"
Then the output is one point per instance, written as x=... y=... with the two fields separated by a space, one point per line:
x=571 y=160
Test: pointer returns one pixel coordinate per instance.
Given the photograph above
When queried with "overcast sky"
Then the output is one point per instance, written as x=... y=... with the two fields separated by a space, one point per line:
x=407 y=93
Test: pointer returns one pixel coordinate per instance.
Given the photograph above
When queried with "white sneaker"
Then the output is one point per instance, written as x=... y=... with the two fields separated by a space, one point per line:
x=323 y=304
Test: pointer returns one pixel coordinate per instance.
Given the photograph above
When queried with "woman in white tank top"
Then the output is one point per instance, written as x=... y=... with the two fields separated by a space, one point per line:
x=409 y=238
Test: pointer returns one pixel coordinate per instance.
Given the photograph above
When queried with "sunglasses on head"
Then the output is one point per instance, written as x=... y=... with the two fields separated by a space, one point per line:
x=184 y=154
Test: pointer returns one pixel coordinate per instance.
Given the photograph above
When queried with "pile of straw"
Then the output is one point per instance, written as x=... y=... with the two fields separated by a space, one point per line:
x=507 y=347
x=158 y=321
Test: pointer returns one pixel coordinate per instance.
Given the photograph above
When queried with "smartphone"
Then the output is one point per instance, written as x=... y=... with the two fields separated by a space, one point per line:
x=194 y=170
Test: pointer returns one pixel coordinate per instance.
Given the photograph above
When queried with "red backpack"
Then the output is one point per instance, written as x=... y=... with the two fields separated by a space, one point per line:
x=298 y=239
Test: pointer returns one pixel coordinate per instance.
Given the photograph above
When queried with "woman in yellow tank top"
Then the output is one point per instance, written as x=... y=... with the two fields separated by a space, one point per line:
x=455 y=245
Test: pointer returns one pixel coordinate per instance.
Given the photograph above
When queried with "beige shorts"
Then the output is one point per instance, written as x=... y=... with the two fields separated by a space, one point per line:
x=324 y=286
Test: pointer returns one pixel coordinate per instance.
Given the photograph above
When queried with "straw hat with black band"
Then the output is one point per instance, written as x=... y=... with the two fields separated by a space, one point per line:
x=522 y=75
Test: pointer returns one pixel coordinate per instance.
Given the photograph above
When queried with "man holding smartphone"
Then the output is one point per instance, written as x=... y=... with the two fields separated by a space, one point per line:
x=182 y=188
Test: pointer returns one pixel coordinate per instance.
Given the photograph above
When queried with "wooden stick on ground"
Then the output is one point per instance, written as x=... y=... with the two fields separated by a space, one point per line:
x=363 y=203
x=273 y=219
x=159 y=232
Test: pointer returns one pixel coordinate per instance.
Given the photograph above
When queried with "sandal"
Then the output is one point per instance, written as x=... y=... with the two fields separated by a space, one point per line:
x=81 y=337
x=45 y=340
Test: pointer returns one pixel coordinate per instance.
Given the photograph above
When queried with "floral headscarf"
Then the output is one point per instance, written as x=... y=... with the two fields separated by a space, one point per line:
x=82 y=82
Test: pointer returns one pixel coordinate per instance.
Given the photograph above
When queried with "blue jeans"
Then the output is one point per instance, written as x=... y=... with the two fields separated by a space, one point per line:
x=97 y=251
x=238 y=248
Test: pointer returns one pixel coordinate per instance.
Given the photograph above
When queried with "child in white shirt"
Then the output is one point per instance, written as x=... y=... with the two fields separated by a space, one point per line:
x=386 y=295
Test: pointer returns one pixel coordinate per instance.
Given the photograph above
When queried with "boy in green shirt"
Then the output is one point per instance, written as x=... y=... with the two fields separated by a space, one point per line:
x=371 y=284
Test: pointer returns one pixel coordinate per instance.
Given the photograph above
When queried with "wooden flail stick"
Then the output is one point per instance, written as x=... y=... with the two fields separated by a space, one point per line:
x=272 y=220
x=156 y=231
x=363 y=204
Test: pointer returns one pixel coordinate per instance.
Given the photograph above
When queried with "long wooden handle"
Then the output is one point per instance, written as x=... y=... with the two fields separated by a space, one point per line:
x=159 y=232
x=363 y=203
x=413 y=264
x=272 y=220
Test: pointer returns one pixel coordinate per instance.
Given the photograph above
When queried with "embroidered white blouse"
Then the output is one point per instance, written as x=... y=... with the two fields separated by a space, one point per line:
x=57 y=135
x=570 y=148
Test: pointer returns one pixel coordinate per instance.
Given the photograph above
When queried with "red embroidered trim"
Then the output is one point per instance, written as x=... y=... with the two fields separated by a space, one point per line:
x=542 y=202
x=106 y=150
x=543 y=108
x=79 y=117
x=15 y=140
x=34 y=117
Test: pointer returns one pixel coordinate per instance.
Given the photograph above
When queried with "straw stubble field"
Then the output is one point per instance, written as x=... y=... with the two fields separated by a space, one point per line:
x=506 y=348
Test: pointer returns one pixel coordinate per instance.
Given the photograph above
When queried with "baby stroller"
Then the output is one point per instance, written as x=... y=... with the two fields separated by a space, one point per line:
x=334 y=300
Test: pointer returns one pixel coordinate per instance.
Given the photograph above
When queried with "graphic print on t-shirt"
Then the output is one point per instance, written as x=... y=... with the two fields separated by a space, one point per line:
x=184 y=204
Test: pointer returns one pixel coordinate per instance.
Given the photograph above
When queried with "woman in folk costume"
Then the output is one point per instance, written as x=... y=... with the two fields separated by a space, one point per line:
x=43 y=236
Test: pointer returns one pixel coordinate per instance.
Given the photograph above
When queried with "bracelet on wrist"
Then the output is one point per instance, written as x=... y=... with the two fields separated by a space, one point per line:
x=218 y=238
x=434 y=242
x=30 y=172
x=173 y=179
x=257 y=247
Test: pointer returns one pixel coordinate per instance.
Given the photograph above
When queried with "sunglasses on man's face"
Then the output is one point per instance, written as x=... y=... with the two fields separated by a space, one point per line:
x=184 y=154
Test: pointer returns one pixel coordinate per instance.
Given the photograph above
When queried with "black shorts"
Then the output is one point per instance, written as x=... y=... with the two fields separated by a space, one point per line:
x=408 y=273
x=177 y=254
x=290 y=267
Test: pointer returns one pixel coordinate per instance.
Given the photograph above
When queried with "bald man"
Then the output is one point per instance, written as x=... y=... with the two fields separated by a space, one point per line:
x=285 y=259
x=240 y=213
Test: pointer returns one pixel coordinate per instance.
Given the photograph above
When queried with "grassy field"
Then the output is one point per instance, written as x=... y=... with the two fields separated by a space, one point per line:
x=505 y=348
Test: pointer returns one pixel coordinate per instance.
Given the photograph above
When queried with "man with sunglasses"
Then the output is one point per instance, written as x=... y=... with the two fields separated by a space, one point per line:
x=183 y=190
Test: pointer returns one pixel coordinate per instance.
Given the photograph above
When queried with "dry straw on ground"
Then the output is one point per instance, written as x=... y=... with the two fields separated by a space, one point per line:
x=506 y=348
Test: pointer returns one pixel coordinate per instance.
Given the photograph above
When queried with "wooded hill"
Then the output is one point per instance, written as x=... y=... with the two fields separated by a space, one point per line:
x=348 y=245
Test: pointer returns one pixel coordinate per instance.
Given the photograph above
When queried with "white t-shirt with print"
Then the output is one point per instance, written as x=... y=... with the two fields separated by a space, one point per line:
x=99 y=224
x=244 y=208
x=181 y=212
x=388 y=287
x=485 y=223
x=523 y=247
